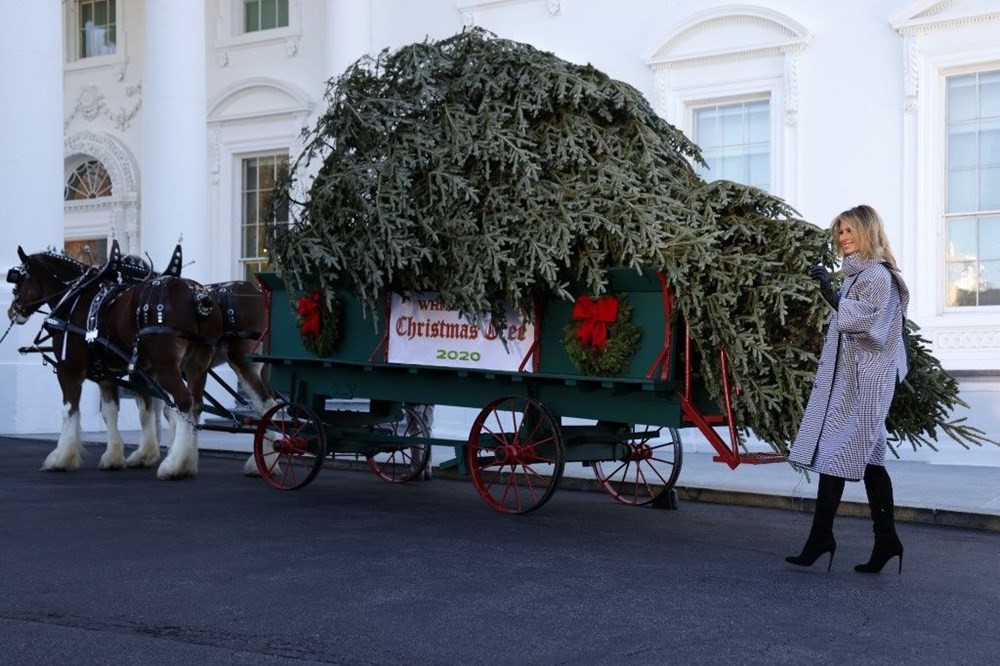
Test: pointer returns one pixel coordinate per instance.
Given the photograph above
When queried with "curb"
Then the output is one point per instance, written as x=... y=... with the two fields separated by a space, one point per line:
x=904 y=514
x=987 y=522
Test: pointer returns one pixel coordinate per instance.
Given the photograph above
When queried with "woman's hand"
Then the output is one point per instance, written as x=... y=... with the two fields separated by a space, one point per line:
x=822 y=275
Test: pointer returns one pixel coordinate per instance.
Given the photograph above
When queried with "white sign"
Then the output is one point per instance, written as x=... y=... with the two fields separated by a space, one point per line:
x=423 y=332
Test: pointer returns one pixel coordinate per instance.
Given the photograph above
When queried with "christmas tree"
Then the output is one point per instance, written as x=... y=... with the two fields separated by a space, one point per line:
x=493 y=174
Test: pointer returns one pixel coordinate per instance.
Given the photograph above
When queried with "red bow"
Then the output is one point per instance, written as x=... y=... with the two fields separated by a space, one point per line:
x=308 y=309
x=595 y=317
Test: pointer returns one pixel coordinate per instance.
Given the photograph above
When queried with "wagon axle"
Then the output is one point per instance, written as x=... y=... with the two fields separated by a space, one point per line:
x=512 y=454
x=638 y=452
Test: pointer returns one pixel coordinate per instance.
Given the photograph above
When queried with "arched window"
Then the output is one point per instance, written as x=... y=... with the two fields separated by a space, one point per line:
x=89 y=180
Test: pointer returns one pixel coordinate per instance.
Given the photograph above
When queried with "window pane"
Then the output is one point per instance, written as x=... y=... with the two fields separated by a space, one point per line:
x=989 y=142
x=962 y=98
x=759 y=122
x=251 y=16
x=732 y=124
x=283 y=13
x=989 y=239
x=705 y=133
x=962 y=284
x=962 y=191
x=760 y=169
x=962 y=145
x=89 y=180
x=961 y=239
x=268 y=14
x=989 y=94
x=736 y=142
x=259 y=176
x=989 y=189
x=98 y=32
x=250 y=240
x=989 y=293
x=250 y=174
x=733 y=165
x=250 y=208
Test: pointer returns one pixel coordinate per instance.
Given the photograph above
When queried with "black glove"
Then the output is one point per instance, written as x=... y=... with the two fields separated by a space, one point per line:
x=821 y=275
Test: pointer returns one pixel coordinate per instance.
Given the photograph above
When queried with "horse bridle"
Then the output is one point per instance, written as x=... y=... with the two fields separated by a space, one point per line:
x=17 y=275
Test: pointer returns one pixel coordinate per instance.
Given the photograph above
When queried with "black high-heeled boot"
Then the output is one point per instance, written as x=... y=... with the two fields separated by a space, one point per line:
x=878 y=487
x=821 y=540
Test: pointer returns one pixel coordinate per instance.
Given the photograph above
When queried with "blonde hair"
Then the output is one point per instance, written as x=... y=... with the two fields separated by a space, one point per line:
x=869 y=234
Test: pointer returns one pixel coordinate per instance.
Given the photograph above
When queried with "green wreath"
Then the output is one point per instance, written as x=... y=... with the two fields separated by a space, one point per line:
x=601 y=340
x=319 y=323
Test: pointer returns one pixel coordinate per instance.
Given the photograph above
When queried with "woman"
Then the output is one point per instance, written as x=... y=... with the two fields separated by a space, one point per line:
x=843 y=435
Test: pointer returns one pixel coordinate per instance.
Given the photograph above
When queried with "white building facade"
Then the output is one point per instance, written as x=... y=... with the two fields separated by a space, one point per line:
x=152 y=120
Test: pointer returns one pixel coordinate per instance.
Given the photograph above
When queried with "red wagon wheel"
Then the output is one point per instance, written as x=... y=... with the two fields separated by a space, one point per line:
x=648 y=469
x=402 y=463
x=516 y=454
x=289 y=446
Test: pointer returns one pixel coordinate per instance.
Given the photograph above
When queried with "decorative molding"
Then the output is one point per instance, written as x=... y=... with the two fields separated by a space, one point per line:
x=911 y=72
x=122 y=206
x=292 y=46
x=726 y=55
x=691 y=31
x=792 y=71
x=468 y=8
x=91 y=105
x=300 y=101
x=214 y=155
x=113 y=155
x=968 y=340
x=926 y=25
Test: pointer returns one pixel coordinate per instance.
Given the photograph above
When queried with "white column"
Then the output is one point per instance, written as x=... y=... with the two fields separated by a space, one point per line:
x=31 y=189
x=175 y=138
x=348 y=33
x=31 y=118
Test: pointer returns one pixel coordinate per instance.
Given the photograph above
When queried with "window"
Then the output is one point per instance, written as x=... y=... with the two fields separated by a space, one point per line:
x=89 y=180
x=264 y=15
x=259 y=177
x=92 y=252
x=736 y=142
x=98 y=28
x=972 y=206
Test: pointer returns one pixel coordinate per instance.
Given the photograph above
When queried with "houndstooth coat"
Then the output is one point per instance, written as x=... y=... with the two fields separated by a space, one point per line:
x=843 y=428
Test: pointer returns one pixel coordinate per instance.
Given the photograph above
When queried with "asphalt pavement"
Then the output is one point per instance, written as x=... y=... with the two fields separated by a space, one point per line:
x=117 y=567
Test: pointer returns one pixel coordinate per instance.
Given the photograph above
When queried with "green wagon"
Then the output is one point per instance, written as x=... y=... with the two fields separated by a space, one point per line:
x=527 y=428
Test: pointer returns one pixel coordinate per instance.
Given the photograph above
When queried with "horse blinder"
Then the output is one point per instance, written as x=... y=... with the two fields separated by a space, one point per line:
x=16 y=275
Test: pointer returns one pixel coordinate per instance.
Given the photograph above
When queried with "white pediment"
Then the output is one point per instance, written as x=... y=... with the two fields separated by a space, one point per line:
x=728 y=32
x=253 y=98
x=930 y=15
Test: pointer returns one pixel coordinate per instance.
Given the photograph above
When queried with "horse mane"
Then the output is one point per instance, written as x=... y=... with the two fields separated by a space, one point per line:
x=63 y=267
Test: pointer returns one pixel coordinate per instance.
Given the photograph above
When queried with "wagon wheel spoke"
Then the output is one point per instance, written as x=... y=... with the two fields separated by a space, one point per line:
x=646 y=471
x=289 y=446
x=398 y=461
x=516 y=454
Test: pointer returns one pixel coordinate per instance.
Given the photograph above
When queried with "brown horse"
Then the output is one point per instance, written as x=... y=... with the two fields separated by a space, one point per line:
x=162 y=332
x=244 y=315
